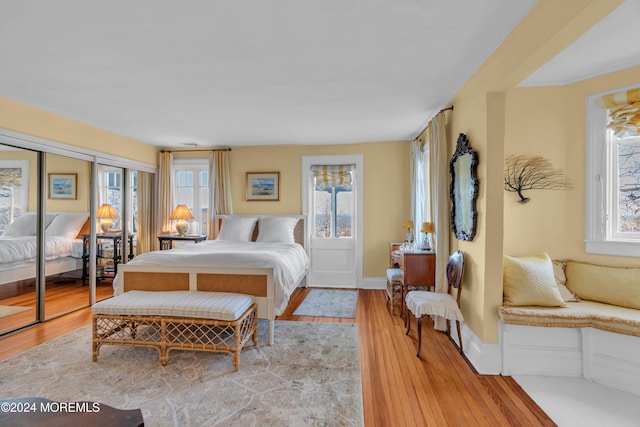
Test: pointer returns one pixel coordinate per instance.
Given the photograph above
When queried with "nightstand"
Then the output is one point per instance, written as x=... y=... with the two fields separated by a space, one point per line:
x=108 y=248
x=166 y=240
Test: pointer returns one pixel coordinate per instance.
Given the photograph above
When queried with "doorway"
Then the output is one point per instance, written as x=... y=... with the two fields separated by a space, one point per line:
x=332 y=188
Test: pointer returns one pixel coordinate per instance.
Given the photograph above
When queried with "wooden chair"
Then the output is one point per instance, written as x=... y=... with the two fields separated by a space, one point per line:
x=421 y=303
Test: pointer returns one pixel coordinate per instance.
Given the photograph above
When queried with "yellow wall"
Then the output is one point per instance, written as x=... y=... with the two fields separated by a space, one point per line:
x=489 y=112
x=554 y=221
x=59 y=164
x=386 y=189
x=30 y=120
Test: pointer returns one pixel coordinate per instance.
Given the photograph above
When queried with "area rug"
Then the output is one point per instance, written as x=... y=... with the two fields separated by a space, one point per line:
x=329 y=303
x=8 y=310
x=309 y=377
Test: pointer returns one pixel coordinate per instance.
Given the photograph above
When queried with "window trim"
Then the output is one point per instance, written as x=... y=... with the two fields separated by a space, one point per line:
x=198 y=165
x=596 y=239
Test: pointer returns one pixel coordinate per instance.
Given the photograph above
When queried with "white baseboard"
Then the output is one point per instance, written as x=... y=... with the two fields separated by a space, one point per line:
x=485 y=358
x=374 y=283
x=604 y=357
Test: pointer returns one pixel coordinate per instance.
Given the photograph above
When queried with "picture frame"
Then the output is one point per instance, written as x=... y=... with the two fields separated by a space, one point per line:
x=63 y=186
x=263 y=186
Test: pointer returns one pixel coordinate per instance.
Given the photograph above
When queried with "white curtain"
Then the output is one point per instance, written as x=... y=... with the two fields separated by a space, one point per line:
x=165 y=203
x=417 y=184
x=437 y=141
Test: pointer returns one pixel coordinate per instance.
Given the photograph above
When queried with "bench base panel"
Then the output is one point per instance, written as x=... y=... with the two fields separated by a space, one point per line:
x=176 y=333
x=607 y=358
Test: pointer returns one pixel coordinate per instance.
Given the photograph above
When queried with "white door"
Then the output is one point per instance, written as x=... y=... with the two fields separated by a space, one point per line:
x=332 y=201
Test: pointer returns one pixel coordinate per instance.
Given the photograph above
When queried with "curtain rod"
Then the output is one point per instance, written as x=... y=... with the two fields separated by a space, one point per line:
x=441 y=111
x=186 y=151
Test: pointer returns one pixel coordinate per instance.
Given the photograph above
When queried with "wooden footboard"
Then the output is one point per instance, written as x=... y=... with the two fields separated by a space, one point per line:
x=251 y=281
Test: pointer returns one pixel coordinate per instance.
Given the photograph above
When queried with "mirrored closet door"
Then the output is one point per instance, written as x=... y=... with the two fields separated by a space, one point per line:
x=68 y=207
x=18 y=237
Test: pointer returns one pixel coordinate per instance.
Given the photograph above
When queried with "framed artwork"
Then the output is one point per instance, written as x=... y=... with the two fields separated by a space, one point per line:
x=63 y=186
x=263 y=186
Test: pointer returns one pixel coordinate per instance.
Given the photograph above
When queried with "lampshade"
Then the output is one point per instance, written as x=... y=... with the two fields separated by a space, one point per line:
x=105 y=214
x=106 y=211
x=408 y=224
x=427 y=227
x=182 y=212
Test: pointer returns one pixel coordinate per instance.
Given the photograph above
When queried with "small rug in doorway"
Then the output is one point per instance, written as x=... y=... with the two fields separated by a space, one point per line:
x=329 y=303
x=8 y=310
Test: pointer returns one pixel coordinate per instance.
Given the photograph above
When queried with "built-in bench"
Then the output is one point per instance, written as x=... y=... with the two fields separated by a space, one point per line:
x=182 y=320
x=596 y=335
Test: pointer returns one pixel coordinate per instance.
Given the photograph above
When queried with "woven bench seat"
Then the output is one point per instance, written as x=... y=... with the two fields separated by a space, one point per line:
x=183 y=320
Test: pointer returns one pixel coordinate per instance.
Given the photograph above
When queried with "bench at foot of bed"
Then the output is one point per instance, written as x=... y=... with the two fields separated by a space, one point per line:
x=182 y=320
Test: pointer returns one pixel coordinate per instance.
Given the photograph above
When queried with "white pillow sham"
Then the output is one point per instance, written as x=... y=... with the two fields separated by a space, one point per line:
x=67 y=224
x=26 y=225
x=237 y=228
x=276 y=229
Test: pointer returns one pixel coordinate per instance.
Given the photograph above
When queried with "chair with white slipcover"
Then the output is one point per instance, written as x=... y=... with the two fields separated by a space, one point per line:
x=424 y=303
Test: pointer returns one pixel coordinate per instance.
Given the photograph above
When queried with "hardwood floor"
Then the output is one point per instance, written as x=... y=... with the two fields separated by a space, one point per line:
x=398 y=389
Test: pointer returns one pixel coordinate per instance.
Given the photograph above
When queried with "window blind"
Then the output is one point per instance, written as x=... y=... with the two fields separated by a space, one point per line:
x=624 y=112
x=327 y=176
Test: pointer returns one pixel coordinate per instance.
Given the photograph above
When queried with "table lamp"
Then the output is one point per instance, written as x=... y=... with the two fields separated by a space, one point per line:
x=182 y=213
x=105 y=214
x=427 y=229
x=408 y=224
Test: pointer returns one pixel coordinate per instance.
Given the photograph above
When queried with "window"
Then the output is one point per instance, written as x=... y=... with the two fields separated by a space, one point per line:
x=333 y=200
x=14 y=189
x=192 y=189
x=612 y=176
x=110 y=184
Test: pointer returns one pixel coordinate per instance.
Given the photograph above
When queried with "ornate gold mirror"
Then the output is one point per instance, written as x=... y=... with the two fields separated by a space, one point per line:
x=463 y=190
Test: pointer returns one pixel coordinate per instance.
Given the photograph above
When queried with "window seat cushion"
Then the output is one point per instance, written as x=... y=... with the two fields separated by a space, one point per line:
x=581 y=314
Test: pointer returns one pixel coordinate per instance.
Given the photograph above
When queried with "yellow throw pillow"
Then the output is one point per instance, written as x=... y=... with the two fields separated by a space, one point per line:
x=530 y=281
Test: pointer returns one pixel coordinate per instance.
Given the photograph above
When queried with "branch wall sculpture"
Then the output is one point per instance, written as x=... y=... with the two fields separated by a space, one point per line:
x=532 y=173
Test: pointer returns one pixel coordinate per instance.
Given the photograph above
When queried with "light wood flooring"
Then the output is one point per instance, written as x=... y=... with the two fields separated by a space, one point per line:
x=439 y=389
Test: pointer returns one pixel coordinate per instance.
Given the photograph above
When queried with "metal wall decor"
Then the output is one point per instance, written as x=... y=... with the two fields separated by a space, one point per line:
x=532 y=173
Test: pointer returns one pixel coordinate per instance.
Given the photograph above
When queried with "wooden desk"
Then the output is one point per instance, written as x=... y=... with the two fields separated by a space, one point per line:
x=417 y=270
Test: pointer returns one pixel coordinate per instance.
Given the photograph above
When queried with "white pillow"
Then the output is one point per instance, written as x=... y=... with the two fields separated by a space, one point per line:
x=561 y=280
x=276 y=229
x=25 y=225
x=67 y=224
x=237 y=228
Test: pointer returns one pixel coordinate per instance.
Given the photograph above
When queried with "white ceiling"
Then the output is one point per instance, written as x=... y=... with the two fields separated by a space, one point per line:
x=255 y=72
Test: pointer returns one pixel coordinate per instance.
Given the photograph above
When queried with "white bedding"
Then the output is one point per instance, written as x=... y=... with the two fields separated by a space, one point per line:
x=289 y=261
x=16 y=251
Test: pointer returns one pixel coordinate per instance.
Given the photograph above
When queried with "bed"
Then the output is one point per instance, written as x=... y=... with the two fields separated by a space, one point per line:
x=264 y=256
x=19 y=245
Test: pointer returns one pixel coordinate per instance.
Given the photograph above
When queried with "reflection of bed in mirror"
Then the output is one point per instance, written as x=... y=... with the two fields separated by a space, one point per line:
x=259 y=255
x=63 y=248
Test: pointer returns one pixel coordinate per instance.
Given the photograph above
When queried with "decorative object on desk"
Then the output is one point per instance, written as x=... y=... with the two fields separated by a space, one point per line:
x=181 y=213
x=532 y=173
x=427 y=229
x=464 y=190
x=63 y=185
x=105 y=214
x=263 y=186
x=408 y=224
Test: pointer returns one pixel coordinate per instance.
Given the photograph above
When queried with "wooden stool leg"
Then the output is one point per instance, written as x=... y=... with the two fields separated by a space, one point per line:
x=419 y=320
x=459 y=336
x=407 y=322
